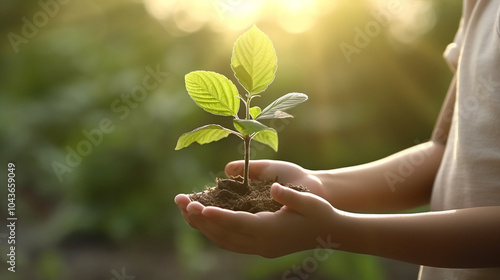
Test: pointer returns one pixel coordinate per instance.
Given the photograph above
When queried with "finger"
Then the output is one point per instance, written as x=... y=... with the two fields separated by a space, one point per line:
x=223 y=235
x=297 y=201
x=182 y=202
x=193 y=213
x=225 y=239
x=234 y=168
x=257 y=168
x=194 y=208
x=236 y=221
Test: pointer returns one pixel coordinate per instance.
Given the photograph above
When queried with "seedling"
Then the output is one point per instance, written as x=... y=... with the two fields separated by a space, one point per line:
x=254 y=65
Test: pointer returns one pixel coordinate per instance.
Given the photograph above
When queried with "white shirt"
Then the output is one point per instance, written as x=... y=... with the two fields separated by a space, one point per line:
x=469 y=175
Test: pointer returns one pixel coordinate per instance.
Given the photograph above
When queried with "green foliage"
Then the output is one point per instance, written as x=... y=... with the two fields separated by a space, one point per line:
x=255 y=111
x=268 y=137
x=213 y=92
x=203 y=135
x=254 y=61
x=278 y=107
x=248 y=127
x=65 y=79
x=254 y=64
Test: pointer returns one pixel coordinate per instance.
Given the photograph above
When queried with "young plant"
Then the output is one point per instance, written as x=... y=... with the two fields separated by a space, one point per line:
x=254 y=65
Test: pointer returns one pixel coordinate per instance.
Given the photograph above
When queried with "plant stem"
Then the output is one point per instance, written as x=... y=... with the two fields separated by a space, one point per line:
x=247 y=139
x=246 y=172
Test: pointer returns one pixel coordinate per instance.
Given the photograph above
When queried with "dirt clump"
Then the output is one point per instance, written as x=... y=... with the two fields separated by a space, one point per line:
x=233 y=195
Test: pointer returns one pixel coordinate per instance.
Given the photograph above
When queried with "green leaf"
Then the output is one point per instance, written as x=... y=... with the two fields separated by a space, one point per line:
x=254 y=112
x=213 y=92
x=254 y=60
x=203 y=135
x=247 y=127
x=278 y=107
x=268 y=137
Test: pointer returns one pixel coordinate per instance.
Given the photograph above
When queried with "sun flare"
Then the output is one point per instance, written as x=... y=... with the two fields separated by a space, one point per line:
x=294 y=16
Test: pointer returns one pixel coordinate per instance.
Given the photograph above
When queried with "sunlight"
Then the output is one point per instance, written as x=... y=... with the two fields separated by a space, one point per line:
x=294 y=16
x=298 y=15
x=296 y=5
x=409 y=19
x=235 y=14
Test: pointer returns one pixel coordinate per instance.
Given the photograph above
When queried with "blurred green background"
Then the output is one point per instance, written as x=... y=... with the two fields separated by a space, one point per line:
x=92 y=102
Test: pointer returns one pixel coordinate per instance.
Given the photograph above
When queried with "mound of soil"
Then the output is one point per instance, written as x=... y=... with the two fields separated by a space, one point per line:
x=233 y=195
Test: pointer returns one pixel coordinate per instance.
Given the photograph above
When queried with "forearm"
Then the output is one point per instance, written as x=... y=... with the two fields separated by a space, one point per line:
x=398 y=182
x=401 y=181
x=463 y=238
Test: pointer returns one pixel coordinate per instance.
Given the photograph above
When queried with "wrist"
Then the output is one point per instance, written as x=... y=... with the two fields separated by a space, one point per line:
x=347 y=231
x=330 y=184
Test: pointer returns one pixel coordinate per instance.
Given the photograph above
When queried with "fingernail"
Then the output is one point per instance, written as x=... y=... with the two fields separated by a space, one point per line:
x=194 y=208
x=177 y=198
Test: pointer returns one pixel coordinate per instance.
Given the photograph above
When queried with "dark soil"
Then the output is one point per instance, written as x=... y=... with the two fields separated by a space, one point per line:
x=233 y=195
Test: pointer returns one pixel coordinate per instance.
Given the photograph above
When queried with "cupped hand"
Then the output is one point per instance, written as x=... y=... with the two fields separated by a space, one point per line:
x=302 y=223
x=285 y=172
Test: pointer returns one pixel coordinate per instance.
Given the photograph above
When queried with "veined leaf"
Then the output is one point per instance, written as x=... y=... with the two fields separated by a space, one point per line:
x=282 y=115
x=255 y=111
x=268 y=137
x=278 y=107
x=203 y=135
x=247 y=127
x=254 y=60
x=213 y=92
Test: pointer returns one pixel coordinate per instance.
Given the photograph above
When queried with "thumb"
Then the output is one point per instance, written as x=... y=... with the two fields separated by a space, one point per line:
x=235 y=168
x=297 y=201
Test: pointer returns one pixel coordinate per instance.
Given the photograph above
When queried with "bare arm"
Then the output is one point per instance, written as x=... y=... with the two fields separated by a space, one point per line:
x=464 y=238
x=461 y=238
x=400 y=181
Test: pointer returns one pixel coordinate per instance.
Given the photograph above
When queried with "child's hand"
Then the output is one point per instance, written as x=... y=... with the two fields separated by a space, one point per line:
x=305 y=219
x=286 y=172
